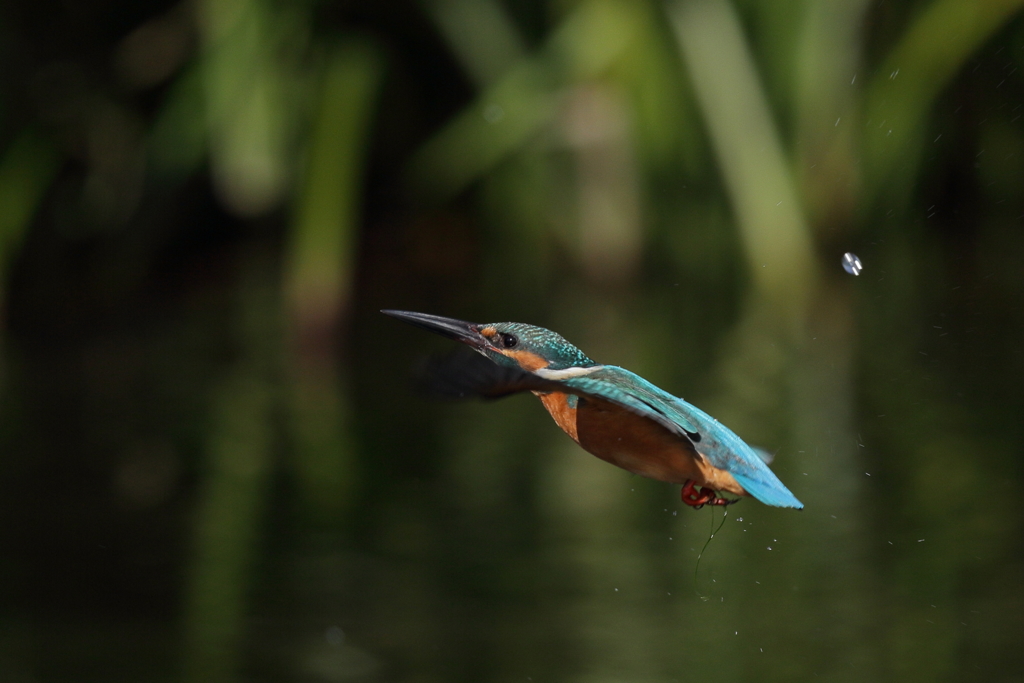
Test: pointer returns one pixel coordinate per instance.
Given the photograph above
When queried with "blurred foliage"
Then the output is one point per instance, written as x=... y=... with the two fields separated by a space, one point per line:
x=214 y=469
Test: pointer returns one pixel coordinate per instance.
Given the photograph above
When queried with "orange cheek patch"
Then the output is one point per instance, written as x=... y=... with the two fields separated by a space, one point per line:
x=527 y=360
x=488 y=332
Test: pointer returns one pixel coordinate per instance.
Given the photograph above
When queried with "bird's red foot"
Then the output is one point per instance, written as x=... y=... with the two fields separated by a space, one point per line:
x=705 y=496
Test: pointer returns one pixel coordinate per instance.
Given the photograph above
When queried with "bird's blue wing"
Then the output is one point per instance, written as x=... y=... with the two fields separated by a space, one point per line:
x=633 y=392
x=719 y=444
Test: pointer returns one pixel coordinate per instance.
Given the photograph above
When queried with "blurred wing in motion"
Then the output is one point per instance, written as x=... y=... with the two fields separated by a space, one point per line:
x=464 y=374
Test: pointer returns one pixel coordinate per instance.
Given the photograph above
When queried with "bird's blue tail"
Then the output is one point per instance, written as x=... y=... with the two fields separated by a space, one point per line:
x=769 y=492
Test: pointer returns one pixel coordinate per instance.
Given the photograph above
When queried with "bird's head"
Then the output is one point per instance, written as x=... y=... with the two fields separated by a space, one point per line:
x=508 y=344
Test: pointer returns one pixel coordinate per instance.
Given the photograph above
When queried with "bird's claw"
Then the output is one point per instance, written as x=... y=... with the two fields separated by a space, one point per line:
x=705 y=496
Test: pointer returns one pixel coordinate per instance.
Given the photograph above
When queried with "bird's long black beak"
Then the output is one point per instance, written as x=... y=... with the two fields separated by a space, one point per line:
x=459 y=330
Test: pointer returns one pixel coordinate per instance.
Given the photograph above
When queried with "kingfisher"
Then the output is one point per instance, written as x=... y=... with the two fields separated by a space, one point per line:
x=611 y=412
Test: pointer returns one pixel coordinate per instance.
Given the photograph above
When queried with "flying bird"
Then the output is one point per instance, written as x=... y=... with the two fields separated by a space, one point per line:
x=611 y=412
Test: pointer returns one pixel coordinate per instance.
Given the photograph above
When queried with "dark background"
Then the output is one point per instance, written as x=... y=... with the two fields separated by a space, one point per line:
x=213 y=466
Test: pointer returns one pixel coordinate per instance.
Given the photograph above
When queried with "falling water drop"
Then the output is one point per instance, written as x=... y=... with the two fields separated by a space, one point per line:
x=335 y=636
x=493 y=113
x=852 y=264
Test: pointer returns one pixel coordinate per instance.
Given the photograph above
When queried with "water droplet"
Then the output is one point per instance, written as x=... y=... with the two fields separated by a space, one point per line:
x=852 y=264
x=334 y=636
x=739 y=519
x=769 y=547
x=493 y=113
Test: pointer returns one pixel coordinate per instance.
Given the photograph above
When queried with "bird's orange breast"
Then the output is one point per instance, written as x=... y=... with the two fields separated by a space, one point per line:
x=564 y=413
x=633 y=442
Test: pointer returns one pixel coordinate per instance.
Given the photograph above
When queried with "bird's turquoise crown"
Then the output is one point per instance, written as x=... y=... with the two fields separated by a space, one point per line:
x=549 y=345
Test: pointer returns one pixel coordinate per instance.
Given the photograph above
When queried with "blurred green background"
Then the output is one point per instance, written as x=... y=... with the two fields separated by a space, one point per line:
x=213 y=466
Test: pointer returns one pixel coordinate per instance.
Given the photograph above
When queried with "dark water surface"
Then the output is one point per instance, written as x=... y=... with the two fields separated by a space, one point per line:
x=480 y=543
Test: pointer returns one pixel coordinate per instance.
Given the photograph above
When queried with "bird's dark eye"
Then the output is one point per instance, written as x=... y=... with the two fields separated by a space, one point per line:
x=509 y=340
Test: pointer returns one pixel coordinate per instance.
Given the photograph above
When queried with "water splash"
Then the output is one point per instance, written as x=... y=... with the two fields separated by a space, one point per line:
x=711 y=534
x=852 y=264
